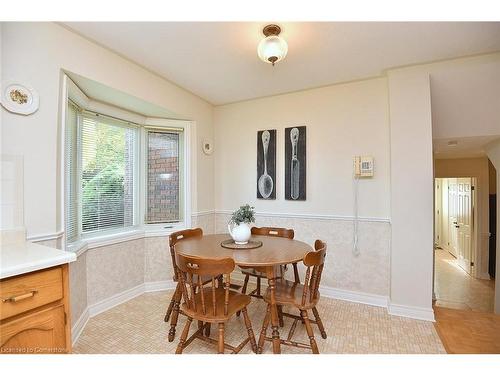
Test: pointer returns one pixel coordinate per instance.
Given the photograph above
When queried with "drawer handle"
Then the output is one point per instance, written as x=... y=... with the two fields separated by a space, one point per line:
x=20 y=297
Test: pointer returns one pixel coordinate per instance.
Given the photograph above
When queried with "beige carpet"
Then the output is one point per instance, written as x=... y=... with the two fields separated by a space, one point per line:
x=137 y=327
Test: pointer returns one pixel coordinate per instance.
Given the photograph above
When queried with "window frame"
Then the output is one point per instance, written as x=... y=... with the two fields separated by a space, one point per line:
x=135 y=222
x=140 y=229
x=157 y=229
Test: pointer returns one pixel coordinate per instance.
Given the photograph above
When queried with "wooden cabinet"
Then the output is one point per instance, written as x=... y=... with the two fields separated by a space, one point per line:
x=34 y=312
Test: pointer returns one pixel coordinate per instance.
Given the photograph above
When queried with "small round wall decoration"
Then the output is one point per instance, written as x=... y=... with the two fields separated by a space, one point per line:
x=208 y=147
x=19 y=98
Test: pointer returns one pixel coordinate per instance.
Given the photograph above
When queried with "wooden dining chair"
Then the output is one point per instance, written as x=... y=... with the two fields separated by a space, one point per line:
x=173 y=309
x=210 y=304
x=261 y=274
x=304 y=297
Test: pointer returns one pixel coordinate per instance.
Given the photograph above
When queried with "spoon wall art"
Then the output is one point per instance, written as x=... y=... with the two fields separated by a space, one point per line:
x=266 y=164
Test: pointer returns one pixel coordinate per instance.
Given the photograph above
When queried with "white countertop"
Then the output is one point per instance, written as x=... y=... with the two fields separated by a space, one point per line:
x=24 y=257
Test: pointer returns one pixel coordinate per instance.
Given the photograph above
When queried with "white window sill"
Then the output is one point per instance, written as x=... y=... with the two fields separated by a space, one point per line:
x=157 y=230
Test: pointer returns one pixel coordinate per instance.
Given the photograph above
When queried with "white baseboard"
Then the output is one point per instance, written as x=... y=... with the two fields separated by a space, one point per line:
x=79 y=325
x=351 y=296
x=411 y=312
x=116 y=300
x=156 y=286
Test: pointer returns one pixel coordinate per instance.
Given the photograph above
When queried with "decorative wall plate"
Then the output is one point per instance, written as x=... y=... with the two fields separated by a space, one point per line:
x=19 y=98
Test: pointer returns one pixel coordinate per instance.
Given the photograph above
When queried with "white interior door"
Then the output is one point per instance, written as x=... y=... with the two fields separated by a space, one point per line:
x=453 y=216
x=464 y=223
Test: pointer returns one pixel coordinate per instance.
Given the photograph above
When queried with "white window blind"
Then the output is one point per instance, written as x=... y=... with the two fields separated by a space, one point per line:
x=107 y=173
x=71 y=184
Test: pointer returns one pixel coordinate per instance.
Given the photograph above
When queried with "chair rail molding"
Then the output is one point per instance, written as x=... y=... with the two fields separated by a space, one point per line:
x=312 y=216
x=45 y=236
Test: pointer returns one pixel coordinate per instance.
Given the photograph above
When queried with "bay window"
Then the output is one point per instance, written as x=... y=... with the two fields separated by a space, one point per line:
x=122 y=176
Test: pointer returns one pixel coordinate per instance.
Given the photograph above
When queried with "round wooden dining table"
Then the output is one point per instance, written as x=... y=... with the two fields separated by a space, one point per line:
x=275 y=251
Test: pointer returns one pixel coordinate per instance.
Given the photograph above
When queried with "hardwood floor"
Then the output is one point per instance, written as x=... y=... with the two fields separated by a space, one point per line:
x=468 y=332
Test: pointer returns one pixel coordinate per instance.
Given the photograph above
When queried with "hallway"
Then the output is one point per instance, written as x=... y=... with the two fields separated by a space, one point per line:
x=456 y=289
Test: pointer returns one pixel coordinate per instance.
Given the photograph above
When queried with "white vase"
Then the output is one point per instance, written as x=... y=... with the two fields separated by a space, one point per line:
x=240 y=233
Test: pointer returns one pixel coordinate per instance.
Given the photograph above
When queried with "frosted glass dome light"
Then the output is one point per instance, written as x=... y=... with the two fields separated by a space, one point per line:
x=272 y=48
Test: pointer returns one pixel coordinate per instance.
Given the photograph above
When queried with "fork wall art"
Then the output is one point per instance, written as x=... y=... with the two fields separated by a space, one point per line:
x=266 y=164
x=295 y=163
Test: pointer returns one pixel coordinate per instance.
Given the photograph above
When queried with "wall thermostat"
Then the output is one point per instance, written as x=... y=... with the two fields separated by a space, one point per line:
x=207 y=146
x=363 y=166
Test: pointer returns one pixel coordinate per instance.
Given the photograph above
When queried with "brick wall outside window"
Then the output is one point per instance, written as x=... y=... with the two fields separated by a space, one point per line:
x=163 y=177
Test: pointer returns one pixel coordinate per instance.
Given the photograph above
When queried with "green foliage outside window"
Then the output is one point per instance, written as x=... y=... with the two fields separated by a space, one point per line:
x=103 y=176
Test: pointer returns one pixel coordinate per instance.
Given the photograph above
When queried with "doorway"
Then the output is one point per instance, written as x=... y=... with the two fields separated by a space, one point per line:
x=455 y=239
x=454 y=219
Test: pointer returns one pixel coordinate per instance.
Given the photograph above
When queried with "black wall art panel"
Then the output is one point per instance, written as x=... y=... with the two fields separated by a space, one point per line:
x=266 y=164
x=295 y=163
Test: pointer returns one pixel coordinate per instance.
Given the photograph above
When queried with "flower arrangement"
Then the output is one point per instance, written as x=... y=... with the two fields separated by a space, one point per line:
x=244 y=214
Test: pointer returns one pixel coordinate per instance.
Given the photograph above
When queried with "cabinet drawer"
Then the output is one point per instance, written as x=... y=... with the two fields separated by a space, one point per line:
x=25 y=292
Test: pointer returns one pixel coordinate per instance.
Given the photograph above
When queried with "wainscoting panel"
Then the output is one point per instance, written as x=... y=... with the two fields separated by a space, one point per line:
x=107 y=275
x=157 y=262
x=114 y=268
x=367 y=273
x=78 y=287
x=204 y=220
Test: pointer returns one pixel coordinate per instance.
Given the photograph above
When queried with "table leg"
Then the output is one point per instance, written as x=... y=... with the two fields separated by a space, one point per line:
x=274 y=311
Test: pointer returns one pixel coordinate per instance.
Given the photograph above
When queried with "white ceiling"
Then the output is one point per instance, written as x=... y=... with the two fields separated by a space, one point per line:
x=465 y=101
x=468 y=147
x=218 y=60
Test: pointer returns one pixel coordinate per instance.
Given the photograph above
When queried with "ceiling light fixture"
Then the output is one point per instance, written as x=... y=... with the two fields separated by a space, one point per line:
x=272 y=48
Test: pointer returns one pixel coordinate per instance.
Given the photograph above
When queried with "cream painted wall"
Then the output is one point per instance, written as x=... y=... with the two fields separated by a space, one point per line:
x=342 y=121
x=473 y=167
x=411 y=192
x=35 y=54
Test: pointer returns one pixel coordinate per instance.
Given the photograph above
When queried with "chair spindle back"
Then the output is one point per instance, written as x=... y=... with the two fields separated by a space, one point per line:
x=178 y=236
x=191 y=270
x=314 y=261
